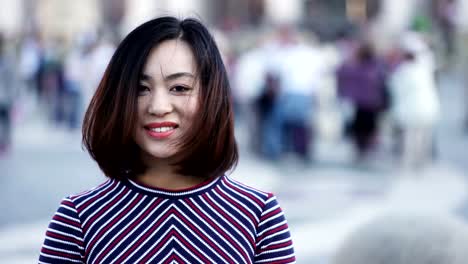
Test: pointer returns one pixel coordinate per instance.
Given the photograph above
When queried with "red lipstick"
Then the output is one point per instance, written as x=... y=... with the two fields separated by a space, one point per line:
x=160 y=130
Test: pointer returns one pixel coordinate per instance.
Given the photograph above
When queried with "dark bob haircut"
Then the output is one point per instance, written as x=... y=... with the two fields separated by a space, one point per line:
x=208 y=150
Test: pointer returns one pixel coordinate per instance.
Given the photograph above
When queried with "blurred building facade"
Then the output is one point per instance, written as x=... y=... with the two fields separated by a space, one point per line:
x=66 y=17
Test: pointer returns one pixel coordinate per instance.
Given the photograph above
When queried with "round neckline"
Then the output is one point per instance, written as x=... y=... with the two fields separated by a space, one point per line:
x=176 y=193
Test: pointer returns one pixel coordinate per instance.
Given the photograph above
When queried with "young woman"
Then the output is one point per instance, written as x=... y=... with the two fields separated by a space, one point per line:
x=160 y=126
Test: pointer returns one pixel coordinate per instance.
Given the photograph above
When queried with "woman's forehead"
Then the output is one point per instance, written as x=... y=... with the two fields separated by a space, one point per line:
x=170 y=57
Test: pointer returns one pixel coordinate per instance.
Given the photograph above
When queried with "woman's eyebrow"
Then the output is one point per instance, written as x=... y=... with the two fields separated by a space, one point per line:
x=178 y=75
x=172 y=76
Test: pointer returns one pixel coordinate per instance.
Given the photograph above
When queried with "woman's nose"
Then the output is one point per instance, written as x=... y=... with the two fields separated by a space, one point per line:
x=160 y=104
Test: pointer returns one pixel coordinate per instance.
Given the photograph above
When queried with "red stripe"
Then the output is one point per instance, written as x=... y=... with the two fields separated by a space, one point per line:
x=283 y=261
x=251 y=196
x=220 y=231
x=59 y=254
x=230 y=219
x=69 y=203
x=66 y=221
x=281 y=245
x=129 y=228
x=199 y=233
x=272 y=231
x=178 y=259
x=83 y=207
x=65 y=238
x=149 y=232
x=270 y=214
x=237 y=205
x=172 y=233
x=158 y=246
x=91 y=220
x=115 y=220
x=82 y=194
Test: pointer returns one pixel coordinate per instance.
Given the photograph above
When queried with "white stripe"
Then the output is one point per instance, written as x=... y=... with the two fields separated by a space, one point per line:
x=273 y=235
x=142 y=233
x=111 y=219
x=174 y=193
x=64 y=242
x=280 y=241
x=261 y=195
x=275 y=259
x=252 y=202
x=135 y=228
x=163 y=236
x=68 y=217
x=125 y=227
x=84 y=193
x=172 y=227
x=62 y=250
x=276 y=250
x=272 y=227
x=113 y=197
x=156 y=254
x=64 y=234
x=270 y=209
x=61 y=258
x=224 y=220
x=211 y=228
x=182 y=223
x=240 y=204
x=178 y=254
x=66 y=225
x=93 y=193
x=227 y=211
x=72 y=210
x=272 y=218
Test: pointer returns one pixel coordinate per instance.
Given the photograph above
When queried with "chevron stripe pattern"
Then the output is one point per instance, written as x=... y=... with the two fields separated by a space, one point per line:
x=220 y=221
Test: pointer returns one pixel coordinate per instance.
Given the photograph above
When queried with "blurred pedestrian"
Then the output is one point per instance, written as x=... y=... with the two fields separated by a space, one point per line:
x=406 y=239
x=7 y=96
x=97 y=57
x=160 y=126
x=415 y=100
x=288 y=127
x=74 y=70
x=445 y=18
x=361 y=81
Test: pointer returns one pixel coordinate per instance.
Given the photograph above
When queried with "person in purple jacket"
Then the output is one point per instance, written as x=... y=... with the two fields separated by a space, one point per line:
x=160 y=126
x=361 y=80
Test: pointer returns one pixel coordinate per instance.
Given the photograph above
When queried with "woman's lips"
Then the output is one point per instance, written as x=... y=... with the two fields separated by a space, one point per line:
x=160 y=130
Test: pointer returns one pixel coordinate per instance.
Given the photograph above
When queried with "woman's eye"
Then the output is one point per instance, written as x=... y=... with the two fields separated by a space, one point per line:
x=143 y=89
x=180 y=89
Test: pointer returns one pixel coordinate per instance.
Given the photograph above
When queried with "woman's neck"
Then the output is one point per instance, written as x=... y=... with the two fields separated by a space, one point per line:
x=165 y=177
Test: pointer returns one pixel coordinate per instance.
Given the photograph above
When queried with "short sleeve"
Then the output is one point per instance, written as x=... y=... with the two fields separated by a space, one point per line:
x=273 y=242
x=64 y=237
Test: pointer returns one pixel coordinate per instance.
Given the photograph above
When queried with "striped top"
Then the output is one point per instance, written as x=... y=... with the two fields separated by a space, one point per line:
x=219 y=221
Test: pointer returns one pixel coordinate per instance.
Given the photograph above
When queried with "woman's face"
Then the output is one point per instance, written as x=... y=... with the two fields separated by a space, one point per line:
x=167 y=100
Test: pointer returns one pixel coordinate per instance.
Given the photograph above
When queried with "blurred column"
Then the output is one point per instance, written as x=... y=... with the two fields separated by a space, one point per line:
x=67 y=18
x=280 y=11
x=139 y=11
x=11 y=15
x=394 y=18
x=112 y=13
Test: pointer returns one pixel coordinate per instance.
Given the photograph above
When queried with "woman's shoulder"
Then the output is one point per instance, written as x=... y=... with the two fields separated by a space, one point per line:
x=246 y=191
x=94 y=192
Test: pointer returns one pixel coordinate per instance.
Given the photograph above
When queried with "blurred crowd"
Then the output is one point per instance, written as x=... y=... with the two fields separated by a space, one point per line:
x=290 y=87
x=301 y=90
x=292 y=90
